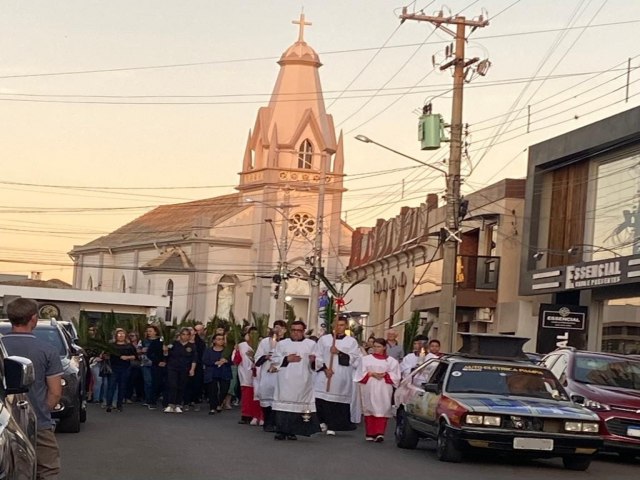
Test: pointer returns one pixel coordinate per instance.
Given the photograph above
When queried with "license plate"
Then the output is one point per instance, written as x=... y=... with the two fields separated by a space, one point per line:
x=633 y=432
x=545 y=444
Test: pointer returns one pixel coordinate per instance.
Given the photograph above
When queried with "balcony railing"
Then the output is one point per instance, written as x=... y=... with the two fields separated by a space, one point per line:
x=478 y=272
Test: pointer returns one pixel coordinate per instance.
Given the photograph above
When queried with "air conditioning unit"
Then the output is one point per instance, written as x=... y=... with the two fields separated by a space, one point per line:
x=484 y=315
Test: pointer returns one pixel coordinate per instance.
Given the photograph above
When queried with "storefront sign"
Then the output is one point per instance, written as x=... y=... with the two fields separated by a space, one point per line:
x=583 y=275
x=593 y=274
x=561 y=326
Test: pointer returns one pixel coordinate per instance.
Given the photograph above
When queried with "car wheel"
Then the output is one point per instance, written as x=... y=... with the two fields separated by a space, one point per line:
x=406 y=437
x=70 y=424
x=83 y=411
x=446 y=451
x=577 y=462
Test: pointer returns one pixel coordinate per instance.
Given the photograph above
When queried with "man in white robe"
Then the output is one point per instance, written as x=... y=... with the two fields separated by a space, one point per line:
x=337 y=360
x=417 y=357
x=266 y=375
x=293 y=405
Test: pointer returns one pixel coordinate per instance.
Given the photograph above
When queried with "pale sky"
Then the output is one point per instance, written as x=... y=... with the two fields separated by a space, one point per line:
x=132 y=135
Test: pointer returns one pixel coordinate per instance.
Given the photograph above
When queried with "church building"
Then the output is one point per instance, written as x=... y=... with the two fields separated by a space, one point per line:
x=253 y=250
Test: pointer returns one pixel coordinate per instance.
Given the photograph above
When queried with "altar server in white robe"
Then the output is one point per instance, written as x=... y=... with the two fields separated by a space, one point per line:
x=265 y=380
x=376 y=376
x=293 y=404
x=338 y=363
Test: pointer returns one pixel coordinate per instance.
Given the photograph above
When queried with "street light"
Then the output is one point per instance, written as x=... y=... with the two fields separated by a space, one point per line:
x=447 y=304
x=365 y=139
x=283 y=211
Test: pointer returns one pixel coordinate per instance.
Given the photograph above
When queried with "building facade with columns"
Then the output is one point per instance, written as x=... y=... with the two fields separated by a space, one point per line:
x=221 y=255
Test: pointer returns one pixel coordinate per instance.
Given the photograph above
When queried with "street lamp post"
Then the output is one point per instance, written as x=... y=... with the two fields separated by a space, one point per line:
x=282 y=245
x=447 y=307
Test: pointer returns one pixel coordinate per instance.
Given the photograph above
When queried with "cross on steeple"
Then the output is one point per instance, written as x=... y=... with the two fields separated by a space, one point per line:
x=302 y=23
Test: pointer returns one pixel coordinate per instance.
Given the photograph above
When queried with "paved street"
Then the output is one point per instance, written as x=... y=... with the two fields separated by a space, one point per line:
x=140 y=444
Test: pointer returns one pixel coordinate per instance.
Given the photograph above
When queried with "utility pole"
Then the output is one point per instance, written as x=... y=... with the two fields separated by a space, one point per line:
x=317 y=250
x=447 y=328
x=281 y=306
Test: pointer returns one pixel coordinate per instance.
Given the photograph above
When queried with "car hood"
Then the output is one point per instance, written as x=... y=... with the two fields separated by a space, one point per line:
x=623 y=397
x=499 y=404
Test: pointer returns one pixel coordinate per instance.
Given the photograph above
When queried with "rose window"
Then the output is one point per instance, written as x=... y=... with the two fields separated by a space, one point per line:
x=302 y=225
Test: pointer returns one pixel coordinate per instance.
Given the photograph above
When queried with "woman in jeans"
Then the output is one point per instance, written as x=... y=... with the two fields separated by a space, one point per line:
x=120 y=358
x=151 y=349
x=217 y=373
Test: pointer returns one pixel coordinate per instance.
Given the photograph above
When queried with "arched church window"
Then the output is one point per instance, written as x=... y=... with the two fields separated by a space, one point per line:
x=226 y=297
x=305 y=154
x=169 y=310
x=123 y=284
x=90 y=284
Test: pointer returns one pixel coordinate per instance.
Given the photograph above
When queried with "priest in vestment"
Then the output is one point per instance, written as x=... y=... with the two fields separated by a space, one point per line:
x=376 y=376
x=337 y=362
x=293 y=403
x=266 y=372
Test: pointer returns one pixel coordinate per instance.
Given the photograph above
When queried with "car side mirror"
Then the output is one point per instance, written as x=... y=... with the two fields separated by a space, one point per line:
x=431 y=387
x=19 y=374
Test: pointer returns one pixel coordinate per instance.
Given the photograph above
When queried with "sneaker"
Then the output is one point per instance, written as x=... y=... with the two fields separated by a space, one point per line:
x=178 y=410
x=169 y=409
x=212 y=412
x=235 y=403
x=279 y=436
x=379 y=439
x=108 y=410
x=369 y=439
x=145 y=404
x=253 y=422
x=186 y=408
x=151 y=407
x=331 y=433
x=291 y=437
x=128 y=400
x=261 y=423
x=323 y=427
x=219 y=409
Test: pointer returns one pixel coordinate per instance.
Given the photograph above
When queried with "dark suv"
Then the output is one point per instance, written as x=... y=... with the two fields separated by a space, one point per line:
x=608 y=384
x=72 y=409
x=17 y=419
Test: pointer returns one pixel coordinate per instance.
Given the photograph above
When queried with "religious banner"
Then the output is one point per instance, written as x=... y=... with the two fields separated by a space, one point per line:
x=561 y=326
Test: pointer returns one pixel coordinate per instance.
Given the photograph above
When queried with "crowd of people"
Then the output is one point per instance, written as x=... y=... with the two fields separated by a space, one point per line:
x=286 y=383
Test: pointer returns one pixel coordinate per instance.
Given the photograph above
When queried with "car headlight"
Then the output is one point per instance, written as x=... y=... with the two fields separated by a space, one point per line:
x=474 y=419
x=590 y=404
x=491 y=421
x=595 y=405
x=585 y=427
x=486 y=420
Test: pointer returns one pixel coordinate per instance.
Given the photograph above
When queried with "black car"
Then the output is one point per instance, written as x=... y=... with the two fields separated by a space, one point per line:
x=17 y=419
x=494 y=402
x=71 y=411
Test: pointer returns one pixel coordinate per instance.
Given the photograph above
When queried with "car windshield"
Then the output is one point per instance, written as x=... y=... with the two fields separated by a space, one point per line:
x=608 y=371
x=509 y=380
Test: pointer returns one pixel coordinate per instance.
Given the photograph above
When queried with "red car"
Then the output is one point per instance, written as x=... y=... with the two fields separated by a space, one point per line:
x=608 y=384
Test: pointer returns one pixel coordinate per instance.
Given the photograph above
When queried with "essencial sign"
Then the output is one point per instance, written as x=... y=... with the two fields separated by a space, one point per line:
x=593 y=275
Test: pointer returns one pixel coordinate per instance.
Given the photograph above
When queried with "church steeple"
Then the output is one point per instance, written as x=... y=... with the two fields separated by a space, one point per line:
x=296 y=111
